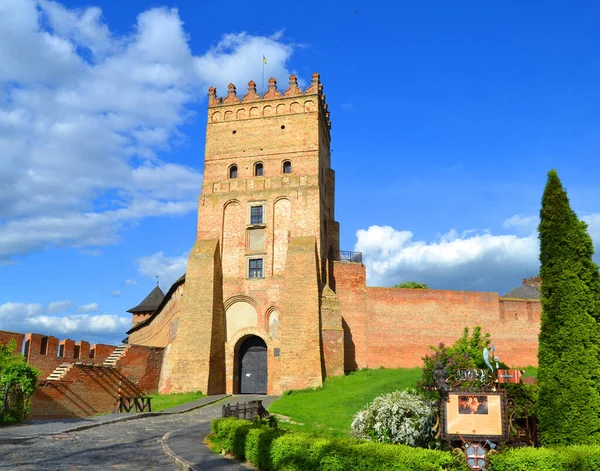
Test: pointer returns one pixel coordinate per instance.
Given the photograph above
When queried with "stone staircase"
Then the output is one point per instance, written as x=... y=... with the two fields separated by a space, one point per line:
x=115 y=355
x=59 y=372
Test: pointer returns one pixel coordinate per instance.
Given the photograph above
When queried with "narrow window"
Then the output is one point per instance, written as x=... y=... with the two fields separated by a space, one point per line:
x=258 y=170
x=233 y=171
x=255 y=268
x=287 y=167
x=44 y=346
x=256 y=215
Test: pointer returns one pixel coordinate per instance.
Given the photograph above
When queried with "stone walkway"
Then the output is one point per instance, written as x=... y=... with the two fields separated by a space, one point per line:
x=126 y=442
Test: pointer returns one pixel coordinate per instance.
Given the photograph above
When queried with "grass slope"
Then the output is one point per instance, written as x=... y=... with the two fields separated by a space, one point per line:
x=165 y=401
x=329 y=410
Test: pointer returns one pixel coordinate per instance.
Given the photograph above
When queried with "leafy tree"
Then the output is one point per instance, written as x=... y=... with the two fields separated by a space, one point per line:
x=569 y=368
x=412 y=285
x=18 y=381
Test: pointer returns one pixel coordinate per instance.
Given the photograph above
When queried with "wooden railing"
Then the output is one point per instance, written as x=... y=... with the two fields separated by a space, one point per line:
x=137 y=404
x=248 y=410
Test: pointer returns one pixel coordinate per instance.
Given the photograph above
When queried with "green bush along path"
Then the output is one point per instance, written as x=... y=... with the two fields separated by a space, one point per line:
x=328 y=411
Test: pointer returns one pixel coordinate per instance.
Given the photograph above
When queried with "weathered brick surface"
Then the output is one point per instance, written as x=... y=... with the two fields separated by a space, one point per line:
x=332 y=334
x=195 y=359
x=300 y=337
x=140 y=367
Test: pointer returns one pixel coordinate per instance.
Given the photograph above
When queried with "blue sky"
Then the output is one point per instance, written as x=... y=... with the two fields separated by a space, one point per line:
x=445 y=121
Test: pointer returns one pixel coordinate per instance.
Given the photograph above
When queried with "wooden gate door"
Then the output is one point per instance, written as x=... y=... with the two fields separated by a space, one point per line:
x=253 y=366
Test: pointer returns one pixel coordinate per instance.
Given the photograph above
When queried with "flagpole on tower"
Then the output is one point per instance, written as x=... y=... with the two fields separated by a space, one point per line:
x=263 y=75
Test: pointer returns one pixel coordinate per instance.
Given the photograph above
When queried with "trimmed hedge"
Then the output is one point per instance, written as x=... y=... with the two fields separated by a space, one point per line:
x=279 y=450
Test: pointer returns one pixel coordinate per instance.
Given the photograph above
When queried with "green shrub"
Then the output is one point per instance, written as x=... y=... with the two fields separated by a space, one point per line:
x=258 y=446
x=232 y=434
x=399 y=417
x=277 y=450
x=573 y=458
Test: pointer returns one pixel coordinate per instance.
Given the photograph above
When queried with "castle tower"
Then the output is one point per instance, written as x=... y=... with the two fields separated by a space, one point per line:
x=251 y=313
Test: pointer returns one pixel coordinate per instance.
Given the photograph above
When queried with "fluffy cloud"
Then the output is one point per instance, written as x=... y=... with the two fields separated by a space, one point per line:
x=115 y=293
x=85 y=114
x=130 y=282
x=23 y=317
x=10 y=312
x=91 y=307
x=80 y=324
x=168 y=269
x=470 y=260
x=58 y=306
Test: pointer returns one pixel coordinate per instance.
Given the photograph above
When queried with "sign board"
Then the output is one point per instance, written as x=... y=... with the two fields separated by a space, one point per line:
x=476 y=415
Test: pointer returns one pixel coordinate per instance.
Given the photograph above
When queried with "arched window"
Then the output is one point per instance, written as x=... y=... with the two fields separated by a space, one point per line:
x=233 y=171
x=258 y=169
x=287 y=167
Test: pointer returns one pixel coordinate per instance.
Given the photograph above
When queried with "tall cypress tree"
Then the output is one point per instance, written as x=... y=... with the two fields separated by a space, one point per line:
x=569 y=366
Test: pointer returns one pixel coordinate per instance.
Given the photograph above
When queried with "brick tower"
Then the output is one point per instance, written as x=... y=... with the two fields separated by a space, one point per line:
x=258 y=313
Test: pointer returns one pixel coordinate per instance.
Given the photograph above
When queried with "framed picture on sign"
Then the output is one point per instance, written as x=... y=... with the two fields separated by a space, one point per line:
x=474 y=415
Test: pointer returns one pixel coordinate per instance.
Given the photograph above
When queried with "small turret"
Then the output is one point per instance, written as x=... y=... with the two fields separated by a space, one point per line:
x=143 y=310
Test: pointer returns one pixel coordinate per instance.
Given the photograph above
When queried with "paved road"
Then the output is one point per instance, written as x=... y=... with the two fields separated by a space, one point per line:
x=133 y=445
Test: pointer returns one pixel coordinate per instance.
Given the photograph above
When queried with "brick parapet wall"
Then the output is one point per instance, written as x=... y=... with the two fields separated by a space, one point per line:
x=86 y=390
x=47 y=352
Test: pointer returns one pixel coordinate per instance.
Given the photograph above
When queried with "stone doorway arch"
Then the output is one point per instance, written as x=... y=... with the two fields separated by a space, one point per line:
x=253 y=367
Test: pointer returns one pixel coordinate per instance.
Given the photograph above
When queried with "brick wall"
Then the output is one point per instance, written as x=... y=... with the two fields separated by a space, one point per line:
x=140 y=366
x=5 y=337
x=47 y=352
x=301 y=357
x=86 y=390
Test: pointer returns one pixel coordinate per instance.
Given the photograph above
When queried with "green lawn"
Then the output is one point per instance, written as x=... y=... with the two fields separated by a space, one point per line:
x=329 y=410
x=164 y=401
x=530 y=371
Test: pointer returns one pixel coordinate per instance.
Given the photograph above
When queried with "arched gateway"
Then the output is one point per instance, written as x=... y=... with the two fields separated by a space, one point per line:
x=253 y=366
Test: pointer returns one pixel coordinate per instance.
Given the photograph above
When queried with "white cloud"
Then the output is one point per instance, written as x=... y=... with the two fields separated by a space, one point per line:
x=471 y=260
x=522 y=223
x=91 y=307
x=12 y=312
x=86 y=112
x=58 y=306
x=80 y=324
x=130 y=282
x=168 y=269
x=23 y=317
x=115 y=293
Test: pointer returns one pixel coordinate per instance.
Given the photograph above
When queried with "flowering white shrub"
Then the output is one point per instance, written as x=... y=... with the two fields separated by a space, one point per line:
x=404 y=417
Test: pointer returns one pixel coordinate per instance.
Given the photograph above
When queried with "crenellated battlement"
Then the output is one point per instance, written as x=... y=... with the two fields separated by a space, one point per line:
x=47 y=352
x=299 y=101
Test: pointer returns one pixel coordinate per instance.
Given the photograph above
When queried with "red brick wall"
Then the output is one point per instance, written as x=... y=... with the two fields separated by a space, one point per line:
x=84 y=391
x=403 y=323
x=92 y=389
x=350 y=282
x=394 y=327
x=141 y=367
x=44 y=351
x=5 y=337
